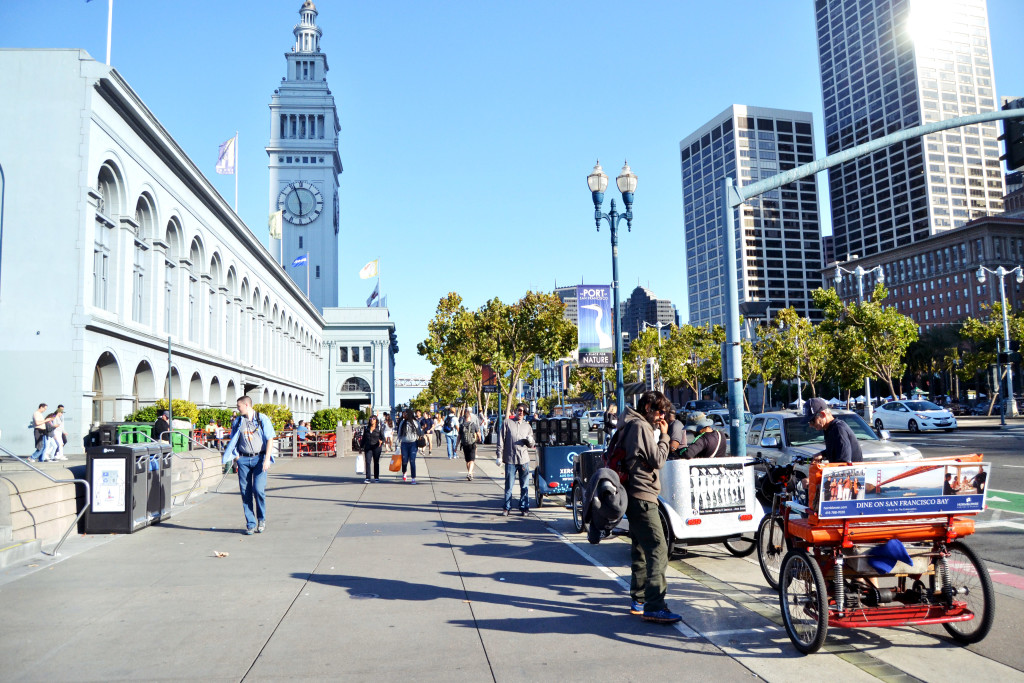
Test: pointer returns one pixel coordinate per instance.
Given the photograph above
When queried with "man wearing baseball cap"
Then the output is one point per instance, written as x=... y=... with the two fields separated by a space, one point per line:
x=841 y=444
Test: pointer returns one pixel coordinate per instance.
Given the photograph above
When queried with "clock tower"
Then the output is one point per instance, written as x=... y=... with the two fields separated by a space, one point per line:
x=305 y=164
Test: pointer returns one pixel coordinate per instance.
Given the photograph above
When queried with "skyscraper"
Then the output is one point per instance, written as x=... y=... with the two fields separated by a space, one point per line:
x=893 y=64
x=305 y=164
x=780 y=259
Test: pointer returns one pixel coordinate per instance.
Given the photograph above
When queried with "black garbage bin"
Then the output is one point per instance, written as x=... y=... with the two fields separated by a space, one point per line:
x=119 y=479
x=166 y=455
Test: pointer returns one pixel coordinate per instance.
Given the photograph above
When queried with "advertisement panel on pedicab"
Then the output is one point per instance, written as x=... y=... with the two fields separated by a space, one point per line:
x=894 y=489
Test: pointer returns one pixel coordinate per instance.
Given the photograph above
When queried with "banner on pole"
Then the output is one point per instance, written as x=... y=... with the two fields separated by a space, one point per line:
x=371 y=269
x=594 y=325
x=374 y=295
x=226 y=158
x=275 y=224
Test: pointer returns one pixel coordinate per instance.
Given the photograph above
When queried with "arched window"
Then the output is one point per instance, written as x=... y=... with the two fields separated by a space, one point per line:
x=356 y=384
x=144 y=217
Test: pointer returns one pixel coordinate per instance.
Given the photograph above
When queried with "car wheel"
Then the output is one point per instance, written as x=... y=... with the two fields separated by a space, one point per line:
x=912 y=426
x=951 y=430
x=670 y=539
x=878 y=425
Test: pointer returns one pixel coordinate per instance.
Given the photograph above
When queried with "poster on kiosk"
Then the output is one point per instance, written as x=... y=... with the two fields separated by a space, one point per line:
x=903 y=488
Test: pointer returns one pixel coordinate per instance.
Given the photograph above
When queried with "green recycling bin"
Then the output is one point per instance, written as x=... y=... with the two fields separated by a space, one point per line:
x=179 y=440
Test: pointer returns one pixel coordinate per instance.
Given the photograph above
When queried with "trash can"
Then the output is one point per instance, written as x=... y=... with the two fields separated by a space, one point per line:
x=179 y=440
x=108 y=433
x=165 y=481
x=134 y=432
x=118 y=477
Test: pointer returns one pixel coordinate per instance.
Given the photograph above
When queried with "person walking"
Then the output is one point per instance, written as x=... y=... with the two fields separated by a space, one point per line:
x=451 y=433
x=644 y=439
x=514 y=440
x=39 y=432
x=426 y=427
x=389 y=433
x=252 y=434
x=409 y=433
x=437 y=427
x=469 y=436
x=59 y=434
x=373 y=441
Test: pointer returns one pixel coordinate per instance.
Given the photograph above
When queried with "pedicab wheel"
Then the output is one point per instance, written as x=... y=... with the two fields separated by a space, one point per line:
x=972 y=586
x=771 y=547
x=536 y=488
x=670 y=539
x=577 y=508
x=741 y=546
x=803 y=601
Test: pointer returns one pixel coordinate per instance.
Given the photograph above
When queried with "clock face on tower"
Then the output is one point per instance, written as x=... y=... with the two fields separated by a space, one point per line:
x=300 y=202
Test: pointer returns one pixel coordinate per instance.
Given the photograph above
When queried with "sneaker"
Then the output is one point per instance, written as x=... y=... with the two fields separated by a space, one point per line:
x=413 y=481
x=405 y=478
x=636 y=608
x=366 y=481
x=262 y=526
x=663 y=616
x=469 y=477
x=250 y=531
x=522 y=513
x=376 y=481
x=505 y=513
x=62 y=458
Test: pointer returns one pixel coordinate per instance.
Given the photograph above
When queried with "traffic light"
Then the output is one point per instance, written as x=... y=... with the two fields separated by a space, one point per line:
x=1013 y=137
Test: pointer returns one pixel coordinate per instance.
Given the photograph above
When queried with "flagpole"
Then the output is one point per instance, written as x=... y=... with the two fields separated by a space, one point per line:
x=236 y=169
x=110 y=23
x=379 y=295
x=307 y=274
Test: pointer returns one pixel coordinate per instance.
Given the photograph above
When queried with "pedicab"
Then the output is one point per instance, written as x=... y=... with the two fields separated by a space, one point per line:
x=703 y=501
x=558 y=445
x=881 y=545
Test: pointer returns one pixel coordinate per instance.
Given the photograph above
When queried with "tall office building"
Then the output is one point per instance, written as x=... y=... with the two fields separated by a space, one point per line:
x=893 y=64
x=305 y=165
x=641 y=310
x=780 y=259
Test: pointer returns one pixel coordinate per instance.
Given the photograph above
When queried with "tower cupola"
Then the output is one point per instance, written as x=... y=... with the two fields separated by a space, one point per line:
x=307 y=33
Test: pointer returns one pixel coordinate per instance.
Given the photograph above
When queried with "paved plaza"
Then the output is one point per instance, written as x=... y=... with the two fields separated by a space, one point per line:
x=393 y=581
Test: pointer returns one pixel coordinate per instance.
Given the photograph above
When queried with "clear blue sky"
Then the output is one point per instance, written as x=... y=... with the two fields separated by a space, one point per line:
x=468 y=128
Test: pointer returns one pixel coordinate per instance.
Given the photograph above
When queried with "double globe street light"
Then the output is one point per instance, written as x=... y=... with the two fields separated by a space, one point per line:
x=1008 y=403
x=598 y=183
x=859 y=273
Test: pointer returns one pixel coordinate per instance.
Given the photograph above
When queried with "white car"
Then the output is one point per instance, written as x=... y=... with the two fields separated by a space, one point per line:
x=917 y=416
x=596 y=419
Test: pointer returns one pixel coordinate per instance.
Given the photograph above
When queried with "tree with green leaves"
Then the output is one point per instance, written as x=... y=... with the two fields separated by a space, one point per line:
x=453 y=346
x=875 y=337
x=985 y=334
x=510 y=336
x=586 y=381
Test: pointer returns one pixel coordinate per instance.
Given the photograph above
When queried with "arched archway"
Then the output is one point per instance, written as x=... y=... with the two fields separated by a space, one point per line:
x=144 y=384
x=231 y=393
x=216 y=397
x=275 y=399
x=176 y=390
x=266 y=396
x=106 y=387
x=355 y=392
x=195 y=389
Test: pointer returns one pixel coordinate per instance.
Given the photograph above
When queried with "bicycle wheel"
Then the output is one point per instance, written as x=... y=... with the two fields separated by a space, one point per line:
x=972 y=586
x=803 y=601
x=577 y=508
x=771 y=547
x=741 y=546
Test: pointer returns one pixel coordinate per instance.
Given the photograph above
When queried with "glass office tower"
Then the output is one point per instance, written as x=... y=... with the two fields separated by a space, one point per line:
x=893 y=64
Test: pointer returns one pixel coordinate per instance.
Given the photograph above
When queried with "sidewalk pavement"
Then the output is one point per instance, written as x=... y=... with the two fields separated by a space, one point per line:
x=367 y=582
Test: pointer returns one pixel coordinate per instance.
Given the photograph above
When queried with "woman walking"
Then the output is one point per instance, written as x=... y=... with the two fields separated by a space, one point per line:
x=389 y=433
x=373 y=439
x=409 y=432
x=469 y=437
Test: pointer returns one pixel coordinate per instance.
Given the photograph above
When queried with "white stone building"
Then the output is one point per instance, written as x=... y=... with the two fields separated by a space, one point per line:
x=114 y=242
x=360 y=358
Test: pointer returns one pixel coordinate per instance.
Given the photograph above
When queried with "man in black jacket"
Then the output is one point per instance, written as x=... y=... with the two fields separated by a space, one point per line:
x=162 y=428
x=840 y=441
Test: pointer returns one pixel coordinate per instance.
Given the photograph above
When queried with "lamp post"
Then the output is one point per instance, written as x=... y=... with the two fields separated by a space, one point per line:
x=598 y=183
x=859 y=273
x=799 y=387
x=1008 y=404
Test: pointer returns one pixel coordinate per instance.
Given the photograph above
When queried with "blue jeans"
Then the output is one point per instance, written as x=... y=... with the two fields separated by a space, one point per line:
x=40 y=437
x=252 y=482
x=523 y=472
x=451 y=438
x=409 y=457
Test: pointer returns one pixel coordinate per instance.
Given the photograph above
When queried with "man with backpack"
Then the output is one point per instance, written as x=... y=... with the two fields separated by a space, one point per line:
x=638 y=450
x=252 y=436
x=451 y=433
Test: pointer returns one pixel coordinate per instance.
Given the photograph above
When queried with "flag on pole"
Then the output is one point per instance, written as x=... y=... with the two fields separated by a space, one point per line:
x=275 y=224
x=226 y=158
x=371 y=269
x=300 y=260
x=383 y=302
x=376 y=293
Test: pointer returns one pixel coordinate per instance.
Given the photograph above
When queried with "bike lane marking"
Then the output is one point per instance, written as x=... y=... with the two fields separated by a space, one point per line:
x=1009 y=501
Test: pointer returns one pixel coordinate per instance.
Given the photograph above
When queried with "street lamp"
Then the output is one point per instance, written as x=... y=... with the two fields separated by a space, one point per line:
x=859 y=273
x=1008 y=403
x=799 y=387
x=598 y=183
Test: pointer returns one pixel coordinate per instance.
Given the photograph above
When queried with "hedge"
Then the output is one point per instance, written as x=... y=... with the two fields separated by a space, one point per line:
x=327 y=419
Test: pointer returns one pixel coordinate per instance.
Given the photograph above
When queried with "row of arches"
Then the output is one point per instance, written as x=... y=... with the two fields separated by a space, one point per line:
x=172 y=277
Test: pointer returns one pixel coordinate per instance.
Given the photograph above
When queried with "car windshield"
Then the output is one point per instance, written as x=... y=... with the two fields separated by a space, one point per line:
x=706 y=405
x=921 y=405
x=800 y=433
